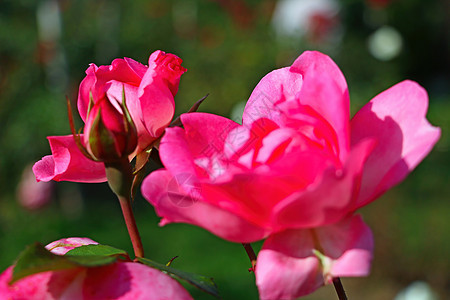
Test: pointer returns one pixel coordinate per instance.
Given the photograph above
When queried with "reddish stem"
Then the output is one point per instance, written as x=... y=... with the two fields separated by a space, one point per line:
x=339 y=289
x=251 y=255
x=128 y=215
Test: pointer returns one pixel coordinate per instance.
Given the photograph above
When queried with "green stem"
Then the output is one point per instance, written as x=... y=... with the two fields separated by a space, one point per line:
x=133 y=232
x=339 y=288
x=251 y=255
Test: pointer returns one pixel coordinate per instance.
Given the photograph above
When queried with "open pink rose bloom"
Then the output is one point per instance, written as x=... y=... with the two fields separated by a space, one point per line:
x=295 y=172
x=149 y=93
x=121 y=281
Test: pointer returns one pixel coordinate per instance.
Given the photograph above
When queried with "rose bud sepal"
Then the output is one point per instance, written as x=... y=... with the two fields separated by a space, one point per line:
x=110 y=135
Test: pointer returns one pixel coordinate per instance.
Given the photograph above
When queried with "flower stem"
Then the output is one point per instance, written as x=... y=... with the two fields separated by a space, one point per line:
x=339 y=288
x=128 y=215
x=251 y=255
x=120 y=178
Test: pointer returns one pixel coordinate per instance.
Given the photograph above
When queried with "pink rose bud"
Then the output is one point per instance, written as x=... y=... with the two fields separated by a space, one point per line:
x=149 y=92
x=109 y=134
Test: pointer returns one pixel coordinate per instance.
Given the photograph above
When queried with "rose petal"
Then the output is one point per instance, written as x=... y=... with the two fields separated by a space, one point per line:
x=396 y=119
x=290 y=266
x=63 y=246
x=67 y=163
x=349 y=246
x=86 y=87
x=157 y=89
x=131 y=281
x=174 y=204
x=325 y=91
x=274 y=88
x=286 y=267
x=327 y=200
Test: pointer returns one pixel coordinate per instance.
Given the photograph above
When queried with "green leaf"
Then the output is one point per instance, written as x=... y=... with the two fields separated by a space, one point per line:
x=103 y=250
x=204 y=283
x=36 y=259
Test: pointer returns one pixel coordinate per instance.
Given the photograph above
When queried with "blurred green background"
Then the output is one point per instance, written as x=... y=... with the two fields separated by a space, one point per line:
x=227 y=47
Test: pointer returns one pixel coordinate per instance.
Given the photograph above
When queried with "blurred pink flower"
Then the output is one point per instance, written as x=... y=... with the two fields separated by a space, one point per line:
x=32 y=194
x=121 y=281
x=149 y=92
x=295 y=171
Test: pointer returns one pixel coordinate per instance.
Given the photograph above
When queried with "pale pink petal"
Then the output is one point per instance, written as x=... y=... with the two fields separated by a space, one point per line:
x=67 y=163
x=396 y=119
x=274 y=88
x=63 y=246
x=294 y=263
x=332 y=195
x=176 y=205
x=131 y=281
x=286 y=267
x=348 y=246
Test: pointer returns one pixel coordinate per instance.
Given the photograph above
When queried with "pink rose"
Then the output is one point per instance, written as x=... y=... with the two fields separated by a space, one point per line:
x=149 y=92
x=295 y=171
x=121 y=280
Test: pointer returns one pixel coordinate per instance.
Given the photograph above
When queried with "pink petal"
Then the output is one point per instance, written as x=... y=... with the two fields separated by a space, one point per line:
x=157 y=104
x=206 y=133
x=323 y=93
x=396 y=119
x=274 y=88
x=157 y=89
x=85 y=89
x=175 y=154
x=67 y=163
x=250 y=195
x=349 y=247
x=124 y=71
x=286 y=267
x=294 y=263
x=317 y=82
x=177 y=205
x=180 y=148
x=62 y=246
x=131 y=281
x=328 y=199
x=40 y=286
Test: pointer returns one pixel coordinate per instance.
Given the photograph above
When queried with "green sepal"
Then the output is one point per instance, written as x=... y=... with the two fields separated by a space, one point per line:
x=203 y=283
x=129 y=123
x=101 y=140
x=91 y=104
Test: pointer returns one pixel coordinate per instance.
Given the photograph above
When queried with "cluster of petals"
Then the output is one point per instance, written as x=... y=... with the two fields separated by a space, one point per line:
x=294 y=172
x=149 y=93
x=121 y=281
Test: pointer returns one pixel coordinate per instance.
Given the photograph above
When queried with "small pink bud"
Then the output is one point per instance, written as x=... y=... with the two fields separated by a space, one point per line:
x=110 y=133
